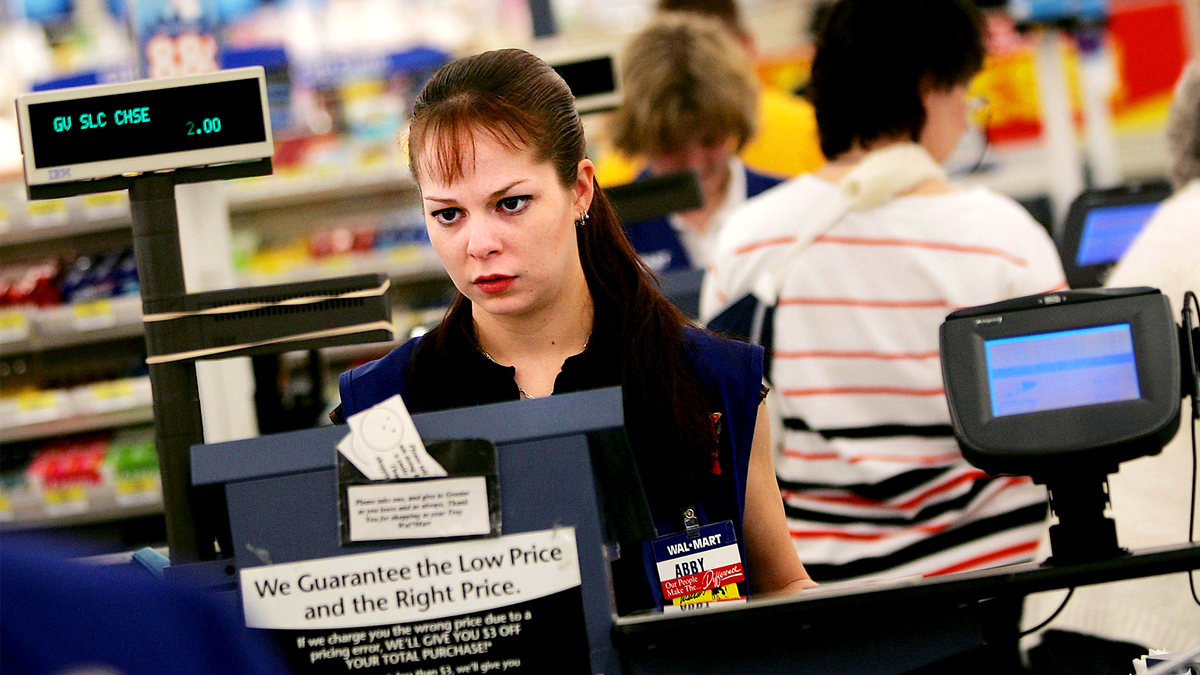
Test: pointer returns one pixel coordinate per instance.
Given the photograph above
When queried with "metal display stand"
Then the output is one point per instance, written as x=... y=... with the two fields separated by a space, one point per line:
x=196 y=518
x=178 y=422
x=283 y=503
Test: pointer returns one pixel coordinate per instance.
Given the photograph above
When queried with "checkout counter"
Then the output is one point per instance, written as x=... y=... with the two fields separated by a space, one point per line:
x=538 y=598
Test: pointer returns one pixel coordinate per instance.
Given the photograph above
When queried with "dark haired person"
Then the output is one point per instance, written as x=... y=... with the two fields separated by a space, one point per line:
x=872 y=478
x=691 y=103
x=554 y=299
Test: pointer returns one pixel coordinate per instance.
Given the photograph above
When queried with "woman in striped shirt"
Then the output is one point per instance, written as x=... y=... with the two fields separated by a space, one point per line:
x=872 y=478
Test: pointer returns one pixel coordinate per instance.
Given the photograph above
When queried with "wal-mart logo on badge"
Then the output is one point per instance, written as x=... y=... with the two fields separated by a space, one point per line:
x=700 y=566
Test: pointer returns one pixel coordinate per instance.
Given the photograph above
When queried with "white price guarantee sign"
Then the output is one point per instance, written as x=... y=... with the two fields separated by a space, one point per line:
x=411 y=584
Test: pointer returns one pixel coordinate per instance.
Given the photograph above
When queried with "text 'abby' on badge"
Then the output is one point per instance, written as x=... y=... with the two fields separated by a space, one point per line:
x=700 y=566
x=383 y=444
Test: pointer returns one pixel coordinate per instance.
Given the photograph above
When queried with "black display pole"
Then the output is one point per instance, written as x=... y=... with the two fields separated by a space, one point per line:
x=197 y=517
x=178 y=423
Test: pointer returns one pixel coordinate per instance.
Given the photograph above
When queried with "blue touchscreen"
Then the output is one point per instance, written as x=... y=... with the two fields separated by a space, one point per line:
x=1066 y=369
x=1108 y=232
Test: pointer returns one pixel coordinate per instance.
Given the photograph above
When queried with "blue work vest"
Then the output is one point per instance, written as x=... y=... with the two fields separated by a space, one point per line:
x=731 y=374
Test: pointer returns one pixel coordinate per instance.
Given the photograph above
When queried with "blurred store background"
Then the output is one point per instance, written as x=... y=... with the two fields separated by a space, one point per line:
x=1071 y=105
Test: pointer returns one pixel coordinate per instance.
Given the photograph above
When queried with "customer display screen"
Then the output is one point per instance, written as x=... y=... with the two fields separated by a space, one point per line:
x=153 y=122
x=1108 y=232
x=589 y=77
x=1064 y=369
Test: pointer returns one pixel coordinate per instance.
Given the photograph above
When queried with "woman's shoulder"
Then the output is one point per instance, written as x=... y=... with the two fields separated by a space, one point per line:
x=774 y=212
x=977 y=214
x=378 y=380
x=719 y=359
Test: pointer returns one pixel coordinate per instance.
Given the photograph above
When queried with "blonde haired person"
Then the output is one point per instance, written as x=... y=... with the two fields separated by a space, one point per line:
x=785 y=143
x=690 y=103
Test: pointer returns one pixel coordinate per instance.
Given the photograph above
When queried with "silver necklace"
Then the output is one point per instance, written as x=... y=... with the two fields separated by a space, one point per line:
x=524 y=394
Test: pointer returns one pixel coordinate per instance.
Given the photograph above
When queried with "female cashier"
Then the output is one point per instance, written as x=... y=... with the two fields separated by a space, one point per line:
x=554 y=299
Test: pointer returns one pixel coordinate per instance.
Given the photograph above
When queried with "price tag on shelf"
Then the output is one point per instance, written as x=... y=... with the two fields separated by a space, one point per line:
x=113 y=390
x=338 y=263
x=66 y=500
x=48 y=213
x=325 y=170
x=14 y=326
x=39 y=406
x=105 y=205
x=404 y=254
x=6 y=508
x=112 y=395
x=138 y=489
x=93 y=315
x=5 y=221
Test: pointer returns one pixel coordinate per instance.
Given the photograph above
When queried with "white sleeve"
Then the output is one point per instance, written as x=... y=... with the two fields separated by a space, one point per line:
x=1042 y=271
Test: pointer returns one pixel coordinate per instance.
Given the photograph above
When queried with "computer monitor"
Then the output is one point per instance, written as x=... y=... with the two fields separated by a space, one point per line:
x=1064 y=387
x=593 y=79
x=1062 y=383
x=1100 y=227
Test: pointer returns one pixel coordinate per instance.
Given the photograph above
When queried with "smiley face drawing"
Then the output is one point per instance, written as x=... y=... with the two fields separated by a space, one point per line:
x=381 y=431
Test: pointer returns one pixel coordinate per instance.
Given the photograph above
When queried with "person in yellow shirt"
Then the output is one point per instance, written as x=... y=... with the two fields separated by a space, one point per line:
x=785 y=144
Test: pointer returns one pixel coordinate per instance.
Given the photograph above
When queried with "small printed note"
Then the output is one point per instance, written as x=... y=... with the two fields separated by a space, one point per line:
x=419 y=509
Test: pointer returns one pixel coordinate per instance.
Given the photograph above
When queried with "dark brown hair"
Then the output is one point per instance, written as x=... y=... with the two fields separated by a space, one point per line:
x=874 y=58
x=519 y=100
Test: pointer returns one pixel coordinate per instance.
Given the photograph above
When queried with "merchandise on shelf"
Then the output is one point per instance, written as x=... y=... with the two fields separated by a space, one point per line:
x=76 y=474
x=109 y=275
x=33 y=284
x=11 y=483
x=65 y=463
x=392 y=242
x=132 y=467
x=14 y=485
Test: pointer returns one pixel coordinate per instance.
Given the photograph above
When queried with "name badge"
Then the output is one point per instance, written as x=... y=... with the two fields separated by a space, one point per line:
x=703 y=565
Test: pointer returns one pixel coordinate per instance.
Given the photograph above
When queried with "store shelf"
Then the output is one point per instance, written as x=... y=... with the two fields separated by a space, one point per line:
x=28 y=222
x=77 y=424
x=28 y=235
x=28 y=510
x=34 y=222
x=404 y=265
x=71 y=325
x=285 y=189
